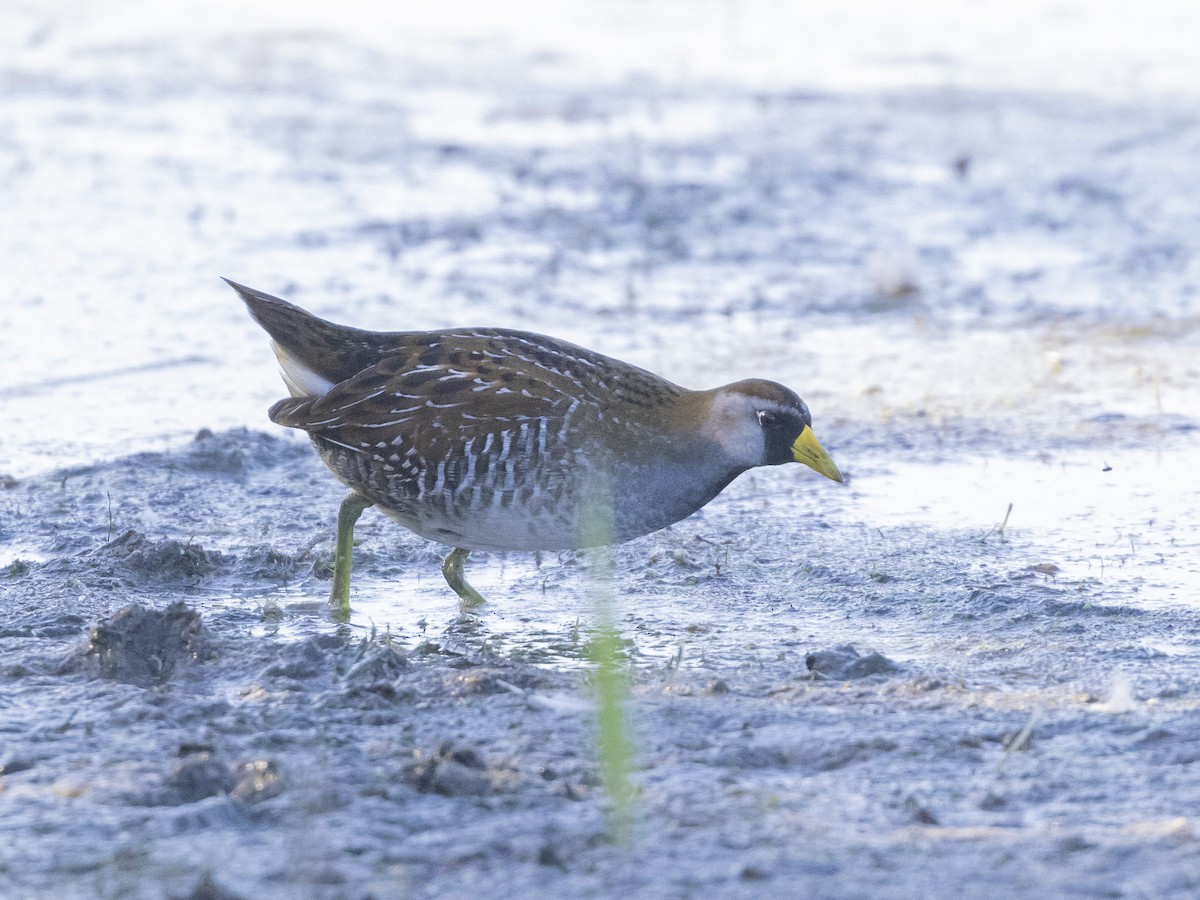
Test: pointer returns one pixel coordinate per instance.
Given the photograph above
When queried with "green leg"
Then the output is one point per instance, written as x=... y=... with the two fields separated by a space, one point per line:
x=452 y=568
x=339 y=597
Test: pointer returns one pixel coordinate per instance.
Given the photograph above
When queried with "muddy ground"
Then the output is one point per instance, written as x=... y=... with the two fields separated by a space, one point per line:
x=980 y=275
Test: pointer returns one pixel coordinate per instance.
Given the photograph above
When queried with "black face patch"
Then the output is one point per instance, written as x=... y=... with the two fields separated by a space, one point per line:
x=781 y=427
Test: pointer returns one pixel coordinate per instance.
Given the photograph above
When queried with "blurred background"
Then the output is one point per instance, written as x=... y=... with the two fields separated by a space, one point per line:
x=921 y=211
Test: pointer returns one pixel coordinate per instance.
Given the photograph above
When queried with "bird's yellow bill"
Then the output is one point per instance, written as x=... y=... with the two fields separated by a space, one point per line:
x=808 y=450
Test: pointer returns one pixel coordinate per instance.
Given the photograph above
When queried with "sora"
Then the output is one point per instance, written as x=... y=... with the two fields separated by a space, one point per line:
x=490 y=439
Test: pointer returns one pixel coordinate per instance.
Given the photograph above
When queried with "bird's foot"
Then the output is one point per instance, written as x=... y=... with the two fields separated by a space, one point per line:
x=452 y=568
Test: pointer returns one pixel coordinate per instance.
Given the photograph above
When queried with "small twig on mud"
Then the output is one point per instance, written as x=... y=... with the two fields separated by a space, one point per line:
x=65 y=726
x=366 y=643
x=511 y=688
x=308 y=548
x=549 y=703
x=673 y=664
x=997 y=530
x=1004 y=524
x=1020 y=741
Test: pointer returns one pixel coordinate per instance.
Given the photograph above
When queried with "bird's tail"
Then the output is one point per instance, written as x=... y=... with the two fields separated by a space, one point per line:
x=313 y=354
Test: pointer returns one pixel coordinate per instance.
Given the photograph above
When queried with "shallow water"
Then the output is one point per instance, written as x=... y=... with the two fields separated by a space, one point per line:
x=1084 y=515
x=1079 y=521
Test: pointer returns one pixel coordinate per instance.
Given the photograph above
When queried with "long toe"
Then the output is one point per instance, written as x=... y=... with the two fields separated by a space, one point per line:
x=452 y=568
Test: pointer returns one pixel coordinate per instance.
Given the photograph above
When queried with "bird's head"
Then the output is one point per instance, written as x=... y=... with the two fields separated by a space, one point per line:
x=761 y=423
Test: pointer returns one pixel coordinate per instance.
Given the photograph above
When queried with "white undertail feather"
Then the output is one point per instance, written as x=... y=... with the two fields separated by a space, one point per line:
x=299 y=378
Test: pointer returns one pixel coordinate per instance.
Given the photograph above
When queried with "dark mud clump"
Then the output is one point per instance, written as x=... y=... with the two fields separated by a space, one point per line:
x=256 y=780
x=197 y=776
x=845 y=662
x=208 y=889
x=142 y=646
x=234 y=452
x=378 y=665
x=201 y=773
x=454 y=772
x=169 y=561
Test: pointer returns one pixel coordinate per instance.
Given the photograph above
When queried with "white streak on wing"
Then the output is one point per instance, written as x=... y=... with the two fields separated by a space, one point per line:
x=349 y=447
x=299 y=378
x=359 y=400
x=400 y=421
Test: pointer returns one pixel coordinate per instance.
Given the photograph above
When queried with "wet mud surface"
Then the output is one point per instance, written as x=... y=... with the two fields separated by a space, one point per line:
x=178 y=705
x=986 y=294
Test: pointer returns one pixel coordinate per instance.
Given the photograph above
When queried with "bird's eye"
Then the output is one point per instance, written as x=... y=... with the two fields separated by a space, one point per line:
x=767 y=419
